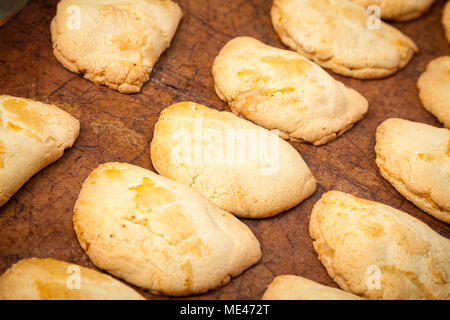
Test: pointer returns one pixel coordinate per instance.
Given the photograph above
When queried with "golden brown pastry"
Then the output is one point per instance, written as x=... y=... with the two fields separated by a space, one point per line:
x=289 y=287
x=280 y=89
x=399 y=10
x=32 y=135
x=49 y=279
x=415 y=158
x=339 y=35
x=434 y=89
x=378 y=252
x=113 y=42
x=158 y=234
x=243 y=168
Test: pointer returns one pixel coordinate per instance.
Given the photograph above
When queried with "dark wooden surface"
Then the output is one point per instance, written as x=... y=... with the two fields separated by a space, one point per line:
x=37 y=221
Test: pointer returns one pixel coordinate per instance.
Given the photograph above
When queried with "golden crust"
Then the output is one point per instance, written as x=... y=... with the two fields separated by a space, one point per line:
x=335 y=35
x=434 y=89
x=446 y=20
x=158 y=234
x=280 y=89
x=48 y=279
x=199 y=147
x=113 y=42
x=376 y=251
x=289 y=287
x=32 y=135
x=399 y=10
x=415 y=159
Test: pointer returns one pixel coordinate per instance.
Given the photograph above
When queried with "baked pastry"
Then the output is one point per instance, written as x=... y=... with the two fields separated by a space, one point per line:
x=378 y=252
x=337 y=34
x=280 y=89
x=32 y=135
x=434 y=89
x=243 y=168
x=49 y=279
x=113 y=42
x=446 y=20
x=415 y=158
x=289 y=287
x=158 y=234
x=399 y=10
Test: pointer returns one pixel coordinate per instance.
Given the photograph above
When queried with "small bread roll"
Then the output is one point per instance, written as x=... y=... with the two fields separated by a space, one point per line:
x=415 y=158
x=434 y=89
x=378 y=252
x=280 y=89
x=243 y=168
x=399 y=10
x=340 y=35
x=48 y=279
x=114 y=43
x=32 y=135
x=291 y=287
x=158 y=234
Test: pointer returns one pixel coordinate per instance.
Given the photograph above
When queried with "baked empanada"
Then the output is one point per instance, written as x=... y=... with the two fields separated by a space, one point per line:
x=32 y=135
x=280 y=89
x=243 y=168
x=158 y=234
x=341 y=36
x=49 y=279
x=434 y=89
x=113 y=42
x=289 y=287
x=415 y=158
x=399 y=10
x=378 y=252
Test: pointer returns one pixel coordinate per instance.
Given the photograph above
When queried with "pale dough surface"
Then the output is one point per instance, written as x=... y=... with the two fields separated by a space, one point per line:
x=290 y=287
x=415 y=158
x=32 y=135
x=378 y=252
x=399 y=10
x=335 y=35
x=243 y=168
x=113 y=42
x=434 y=89
x=158 y=234
x=49 y=279
x=281 y=89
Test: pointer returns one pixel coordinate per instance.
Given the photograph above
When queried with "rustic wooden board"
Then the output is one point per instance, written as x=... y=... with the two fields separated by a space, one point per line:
x=37 y=221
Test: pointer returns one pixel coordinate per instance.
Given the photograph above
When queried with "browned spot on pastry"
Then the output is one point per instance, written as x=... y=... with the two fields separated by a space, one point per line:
x=113 y=173
x=20 y=112
x=148 y=195
x=127 y=41
x=56 y=288
x=253 y=75
x=412 y=277
x=2 y=154
x=426 y=156
x=12 y=126
x=287 y=65
x=371 y=229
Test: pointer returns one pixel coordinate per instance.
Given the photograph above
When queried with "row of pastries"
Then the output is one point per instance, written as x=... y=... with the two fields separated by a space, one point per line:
x=176 y=232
